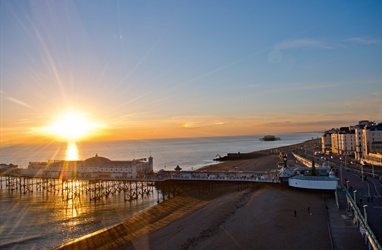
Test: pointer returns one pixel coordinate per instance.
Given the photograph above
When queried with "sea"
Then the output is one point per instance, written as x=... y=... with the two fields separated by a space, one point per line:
x=40 y=221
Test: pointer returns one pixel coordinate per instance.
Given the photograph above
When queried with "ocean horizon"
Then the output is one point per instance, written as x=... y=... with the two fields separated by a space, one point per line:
x=189 y=153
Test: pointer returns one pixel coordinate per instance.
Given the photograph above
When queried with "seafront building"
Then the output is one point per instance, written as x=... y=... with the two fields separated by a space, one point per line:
x=360 y=139
x=334 y=143
x=343 y=141
x=363 y=141
x=371 y=145
x=94 y=167
x=326 y=141
x=346 y=141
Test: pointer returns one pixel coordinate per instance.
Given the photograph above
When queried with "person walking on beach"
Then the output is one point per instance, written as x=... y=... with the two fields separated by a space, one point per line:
x=309 y=211
x=295 y=213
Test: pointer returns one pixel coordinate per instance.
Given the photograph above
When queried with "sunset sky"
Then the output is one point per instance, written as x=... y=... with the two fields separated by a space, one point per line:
x=156 y=69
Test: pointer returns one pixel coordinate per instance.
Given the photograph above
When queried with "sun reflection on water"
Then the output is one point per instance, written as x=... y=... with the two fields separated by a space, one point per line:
x=71 y=153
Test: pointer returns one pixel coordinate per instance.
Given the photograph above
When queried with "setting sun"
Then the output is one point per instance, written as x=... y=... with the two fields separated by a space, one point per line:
x=72 y=126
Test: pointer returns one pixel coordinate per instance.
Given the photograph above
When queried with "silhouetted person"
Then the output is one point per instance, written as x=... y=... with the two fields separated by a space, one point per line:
x=295 y=213
x=308 y=210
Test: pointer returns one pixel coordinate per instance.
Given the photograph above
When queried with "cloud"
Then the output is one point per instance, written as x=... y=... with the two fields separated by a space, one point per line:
x=19 y=102
x=301 y=43
x=363 y=40
x=305 y=86
x=276 y=53
x=15 y=100
x=314 y=86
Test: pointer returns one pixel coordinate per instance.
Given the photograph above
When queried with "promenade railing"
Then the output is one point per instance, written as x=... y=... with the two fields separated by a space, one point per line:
x=359 y=216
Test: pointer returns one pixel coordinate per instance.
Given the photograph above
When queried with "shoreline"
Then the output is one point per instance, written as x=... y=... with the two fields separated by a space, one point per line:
x=180 y=206
x=264 y=162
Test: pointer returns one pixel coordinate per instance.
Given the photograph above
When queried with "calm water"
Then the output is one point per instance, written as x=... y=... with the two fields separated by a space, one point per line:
x=41 y=222
x=167 y=153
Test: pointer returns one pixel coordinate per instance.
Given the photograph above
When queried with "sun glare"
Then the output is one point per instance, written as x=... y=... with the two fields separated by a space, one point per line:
x=72 y=152
x=72 y=126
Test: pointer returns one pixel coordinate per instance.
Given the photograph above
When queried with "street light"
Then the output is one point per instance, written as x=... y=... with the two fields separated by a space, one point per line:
x=354 y=193
x=341 y=179
x=362 y=172
x=364 y=213
x=347 y=185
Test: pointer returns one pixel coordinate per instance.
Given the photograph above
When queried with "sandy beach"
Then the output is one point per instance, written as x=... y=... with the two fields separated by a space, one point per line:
x=258 y=216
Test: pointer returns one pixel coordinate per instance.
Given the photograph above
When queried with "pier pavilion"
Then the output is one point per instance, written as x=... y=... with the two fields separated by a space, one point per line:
x=94 y=167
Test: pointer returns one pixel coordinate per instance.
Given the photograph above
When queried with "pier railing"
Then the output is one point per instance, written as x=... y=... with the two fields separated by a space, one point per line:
x=250 y=176
x=304 y=161
x=253 y=176
x=238 y=179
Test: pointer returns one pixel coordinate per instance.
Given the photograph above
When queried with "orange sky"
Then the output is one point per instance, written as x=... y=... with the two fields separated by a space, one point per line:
x=182 y=127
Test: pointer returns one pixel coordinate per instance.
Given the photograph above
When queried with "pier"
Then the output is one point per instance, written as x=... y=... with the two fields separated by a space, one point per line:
x=71 y=189
x=98 y=188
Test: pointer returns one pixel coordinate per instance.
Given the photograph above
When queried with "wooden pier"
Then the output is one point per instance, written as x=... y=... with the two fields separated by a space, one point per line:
x=70 y=189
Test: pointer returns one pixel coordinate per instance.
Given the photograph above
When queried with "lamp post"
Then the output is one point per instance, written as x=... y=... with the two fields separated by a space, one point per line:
x=341 y=179
x=362 y=172
x=354 y=196
x=365 y=213
x=347 y=185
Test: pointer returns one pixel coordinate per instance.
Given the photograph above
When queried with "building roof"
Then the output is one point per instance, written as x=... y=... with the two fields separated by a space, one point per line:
x=375 y=127
x=96 y=161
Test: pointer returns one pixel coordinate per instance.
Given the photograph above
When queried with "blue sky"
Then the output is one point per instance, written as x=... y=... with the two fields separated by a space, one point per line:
x=191 y=68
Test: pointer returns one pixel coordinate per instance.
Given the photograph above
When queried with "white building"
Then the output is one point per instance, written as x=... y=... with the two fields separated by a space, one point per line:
x=95 y=167
x=363 y=140
x=372 y=136
x=346 y=142
x=371 y=144
x=358 y=142
x=343 y=141
x=326 y=141
x=335 y=143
